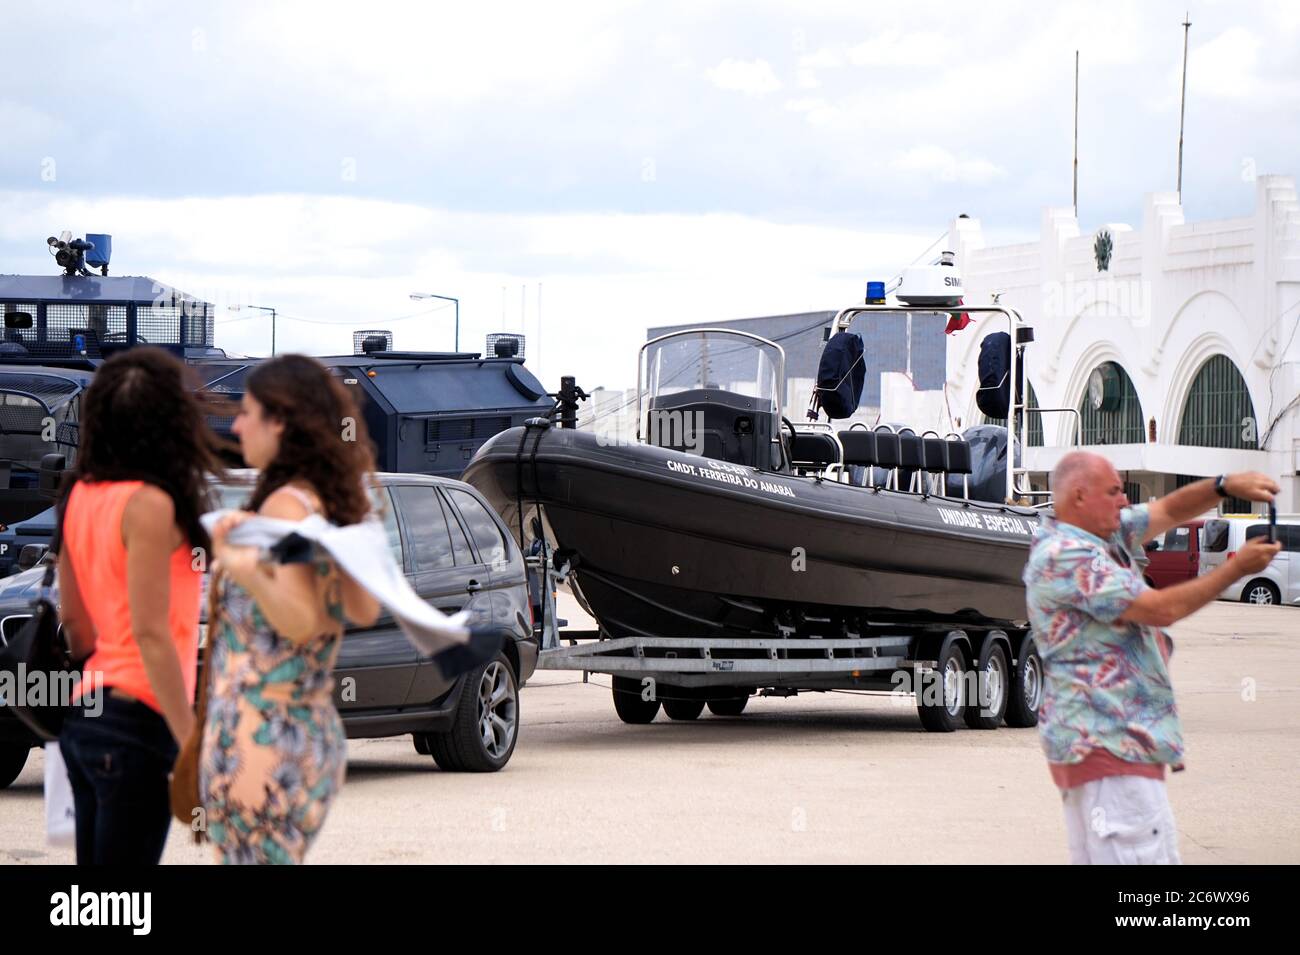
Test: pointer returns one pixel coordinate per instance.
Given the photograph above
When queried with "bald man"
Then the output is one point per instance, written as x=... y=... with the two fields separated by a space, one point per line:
x=1108 y=721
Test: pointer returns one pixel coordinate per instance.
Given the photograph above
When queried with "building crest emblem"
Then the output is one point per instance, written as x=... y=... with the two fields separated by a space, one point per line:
x=1101 y=250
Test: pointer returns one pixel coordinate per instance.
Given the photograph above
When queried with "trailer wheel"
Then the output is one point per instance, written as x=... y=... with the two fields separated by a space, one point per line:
x=1026 y=686
x=729 y=706
x=991 y=690
x=629 y=705
x=941 y=693
x=683 y=709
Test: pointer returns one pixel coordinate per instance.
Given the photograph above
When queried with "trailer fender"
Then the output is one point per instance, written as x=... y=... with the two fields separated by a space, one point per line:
x=931 y=647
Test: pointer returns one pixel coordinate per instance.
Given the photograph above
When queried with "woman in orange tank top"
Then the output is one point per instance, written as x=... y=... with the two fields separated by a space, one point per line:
x=129 y=582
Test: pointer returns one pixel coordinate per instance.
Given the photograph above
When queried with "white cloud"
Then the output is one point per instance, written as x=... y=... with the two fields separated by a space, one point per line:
x=416 y=54
x=354 y=262
x=817 y=111
x=752 y=77
x=1229 y=67
x=900 y=48
x=824 y=59
x=22 y=124
x=937 y=163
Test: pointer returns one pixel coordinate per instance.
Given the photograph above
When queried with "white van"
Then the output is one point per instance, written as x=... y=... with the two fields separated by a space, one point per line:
x=1279 y=582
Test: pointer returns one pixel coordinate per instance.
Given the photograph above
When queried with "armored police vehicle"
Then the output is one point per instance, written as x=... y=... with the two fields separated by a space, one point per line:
x=428 y=412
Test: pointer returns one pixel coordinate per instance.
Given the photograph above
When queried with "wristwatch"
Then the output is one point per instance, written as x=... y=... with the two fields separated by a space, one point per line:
x=1219 y=489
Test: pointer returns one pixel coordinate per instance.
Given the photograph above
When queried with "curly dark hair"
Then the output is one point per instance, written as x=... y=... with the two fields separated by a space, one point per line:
x=141 y=421
x=325 y=442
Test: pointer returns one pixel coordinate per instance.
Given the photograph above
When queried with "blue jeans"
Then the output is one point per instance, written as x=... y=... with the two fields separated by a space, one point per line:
x=119 y=763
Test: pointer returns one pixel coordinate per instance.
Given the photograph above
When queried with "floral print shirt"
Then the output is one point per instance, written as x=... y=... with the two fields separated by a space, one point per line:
x=1105 y=682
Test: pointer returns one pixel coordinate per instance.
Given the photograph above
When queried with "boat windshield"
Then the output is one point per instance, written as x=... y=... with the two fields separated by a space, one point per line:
x=715 y=360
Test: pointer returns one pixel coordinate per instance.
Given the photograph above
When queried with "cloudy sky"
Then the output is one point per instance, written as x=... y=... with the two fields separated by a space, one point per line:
x=625 y=164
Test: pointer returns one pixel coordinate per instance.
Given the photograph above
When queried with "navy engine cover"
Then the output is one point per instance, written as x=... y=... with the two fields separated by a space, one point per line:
x=994 y=394
x=841 y=375
x=988 y=462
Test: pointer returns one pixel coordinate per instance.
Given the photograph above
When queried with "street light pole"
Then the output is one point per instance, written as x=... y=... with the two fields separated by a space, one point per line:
x=261 y=308
x=446 y=298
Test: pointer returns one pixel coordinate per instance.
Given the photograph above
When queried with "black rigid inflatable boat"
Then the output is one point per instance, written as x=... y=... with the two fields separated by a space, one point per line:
x=723 y=519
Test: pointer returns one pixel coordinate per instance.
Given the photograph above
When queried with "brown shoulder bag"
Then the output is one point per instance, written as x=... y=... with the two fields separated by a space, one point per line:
x=186 y=801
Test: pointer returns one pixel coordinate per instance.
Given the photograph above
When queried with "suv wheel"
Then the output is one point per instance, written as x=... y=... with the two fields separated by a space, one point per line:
x=486 y=725
x=13 y=757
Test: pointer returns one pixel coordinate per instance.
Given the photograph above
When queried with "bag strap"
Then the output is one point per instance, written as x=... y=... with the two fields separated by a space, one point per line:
x=56 y=540
x=214 y=616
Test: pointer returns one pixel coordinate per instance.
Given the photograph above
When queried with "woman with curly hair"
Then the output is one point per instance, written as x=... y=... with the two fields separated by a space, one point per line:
x=274 y=753
x=129 y=585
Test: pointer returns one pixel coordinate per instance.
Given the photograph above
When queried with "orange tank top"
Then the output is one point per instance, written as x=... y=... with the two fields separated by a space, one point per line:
x=92 y=536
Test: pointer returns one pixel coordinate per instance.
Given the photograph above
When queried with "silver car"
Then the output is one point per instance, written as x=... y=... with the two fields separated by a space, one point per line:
x=1279 y=582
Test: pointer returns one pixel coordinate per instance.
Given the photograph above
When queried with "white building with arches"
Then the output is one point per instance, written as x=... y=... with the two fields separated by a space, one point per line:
x=1177 y=342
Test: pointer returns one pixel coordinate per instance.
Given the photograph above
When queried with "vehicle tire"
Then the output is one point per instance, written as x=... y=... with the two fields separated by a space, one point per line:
x=940 y=694
x=486 y=725
x=1026 y=686
x=729 y=705
x=993 y=687
x=683 y=709
x=443 y=752
x=1260 y=591
x=13 y=757
x=629 y=705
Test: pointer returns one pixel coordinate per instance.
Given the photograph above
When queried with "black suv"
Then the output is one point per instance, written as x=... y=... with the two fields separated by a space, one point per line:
x=458 y=555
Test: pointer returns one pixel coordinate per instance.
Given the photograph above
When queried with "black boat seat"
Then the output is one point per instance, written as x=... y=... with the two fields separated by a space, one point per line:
x=909 y=448
x=859 y=447
x=935 y=453
x=909 y=458
x=958 y=456
x=887 y=449
x=813 y=449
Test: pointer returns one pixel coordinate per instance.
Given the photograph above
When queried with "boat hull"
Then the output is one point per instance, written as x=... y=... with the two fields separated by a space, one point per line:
x=668 y=543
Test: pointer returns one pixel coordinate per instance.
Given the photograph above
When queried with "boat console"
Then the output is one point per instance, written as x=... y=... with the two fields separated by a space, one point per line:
x=715 y=392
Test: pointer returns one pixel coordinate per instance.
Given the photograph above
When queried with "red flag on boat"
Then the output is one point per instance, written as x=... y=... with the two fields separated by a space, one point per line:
x=957 y=322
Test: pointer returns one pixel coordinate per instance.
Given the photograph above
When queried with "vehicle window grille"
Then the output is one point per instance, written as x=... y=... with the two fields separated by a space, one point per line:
x=464 y=429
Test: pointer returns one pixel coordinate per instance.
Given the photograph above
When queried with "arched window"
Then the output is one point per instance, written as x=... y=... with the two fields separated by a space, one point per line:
x=1110 y=408
x=1034 y=421
x=1218 y=412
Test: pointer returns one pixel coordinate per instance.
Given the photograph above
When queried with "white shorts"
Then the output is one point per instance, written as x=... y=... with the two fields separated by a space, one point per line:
x=1120 y=820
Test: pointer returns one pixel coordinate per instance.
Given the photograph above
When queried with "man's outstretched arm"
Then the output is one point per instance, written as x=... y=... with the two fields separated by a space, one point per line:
x=1163 y=608
x=1190 y=502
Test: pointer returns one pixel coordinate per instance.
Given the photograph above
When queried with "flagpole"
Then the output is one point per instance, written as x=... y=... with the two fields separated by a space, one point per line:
x=1076 y=134
x=1182 y=108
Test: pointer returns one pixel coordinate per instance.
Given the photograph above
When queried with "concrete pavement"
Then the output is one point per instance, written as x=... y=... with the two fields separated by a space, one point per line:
x=817 y=778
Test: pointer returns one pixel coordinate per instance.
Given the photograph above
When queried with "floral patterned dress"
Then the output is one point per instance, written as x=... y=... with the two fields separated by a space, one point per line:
x=274 y=751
